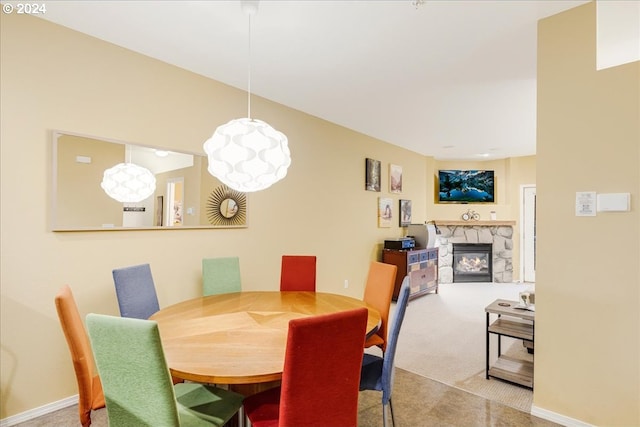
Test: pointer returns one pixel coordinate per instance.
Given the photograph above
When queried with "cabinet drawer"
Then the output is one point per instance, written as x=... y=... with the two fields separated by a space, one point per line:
x=433 y=254
x=413 y=257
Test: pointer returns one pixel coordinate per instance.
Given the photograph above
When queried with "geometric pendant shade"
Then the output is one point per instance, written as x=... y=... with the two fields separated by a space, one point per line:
x=128 y=183
x=248 y=155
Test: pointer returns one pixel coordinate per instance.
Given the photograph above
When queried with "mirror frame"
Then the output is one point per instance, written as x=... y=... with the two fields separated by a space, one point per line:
x=239 y=220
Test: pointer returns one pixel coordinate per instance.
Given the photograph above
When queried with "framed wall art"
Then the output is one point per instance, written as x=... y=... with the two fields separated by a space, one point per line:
x=372 y=175
x=395 y=178
x=385 y=213
x=405 y=213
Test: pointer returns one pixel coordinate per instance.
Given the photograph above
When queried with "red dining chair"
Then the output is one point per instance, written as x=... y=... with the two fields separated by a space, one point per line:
x=319 y=387
x=298 y=273
x=378 y=292
x=90 y=394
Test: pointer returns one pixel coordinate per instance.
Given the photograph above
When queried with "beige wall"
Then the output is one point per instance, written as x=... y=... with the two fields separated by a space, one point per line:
x=588 y=277
x=77 y=202
x=54 y=78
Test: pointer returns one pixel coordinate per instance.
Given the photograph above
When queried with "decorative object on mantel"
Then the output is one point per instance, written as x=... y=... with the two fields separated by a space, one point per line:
x=395 y=178
x=246 y=154
x=227 y=207
x=405 y=213
x=128 y=183
x=470 y=215
x=384 y=212
x=372 y=175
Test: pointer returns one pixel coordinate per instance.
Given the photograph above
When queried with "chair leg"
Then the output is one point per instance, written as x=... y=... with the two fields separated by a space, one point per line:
x=384 y=414
x=241 y=417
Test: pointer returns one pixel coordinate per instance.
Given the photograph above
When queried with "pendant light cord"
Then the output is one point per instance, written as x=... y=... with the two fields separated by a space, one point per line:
x=249 y=74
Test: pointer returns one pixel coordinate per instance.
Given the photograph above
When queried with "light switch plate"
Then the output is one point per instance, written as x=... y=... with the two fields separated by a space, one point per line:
x=614 y=202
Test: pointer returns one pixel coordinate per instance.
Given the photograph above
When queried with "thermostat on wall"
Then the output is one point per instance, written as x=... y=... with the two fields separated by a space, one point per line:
x=614 y=202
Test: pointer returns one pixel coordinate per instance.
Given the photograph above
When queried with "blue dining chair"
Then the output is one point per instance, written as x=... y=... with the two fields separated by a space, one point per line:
x=378 y=372
x=220 y=275
x=136 y=291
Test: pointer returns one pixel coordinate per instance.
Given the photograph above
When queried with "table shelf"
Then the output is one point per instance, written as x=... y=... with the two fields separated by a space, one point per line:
x=516 y=371
x=512 y=328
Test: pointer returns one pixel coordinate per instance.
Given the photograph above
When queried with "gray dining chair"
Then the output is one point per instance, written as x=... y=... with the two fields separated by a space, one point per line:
x=378 y=372
x=136 y=291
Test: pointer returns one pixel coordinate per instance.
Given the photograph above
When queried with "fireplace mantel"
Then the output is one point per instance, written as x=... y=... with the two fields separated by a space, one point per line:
x=473 y=223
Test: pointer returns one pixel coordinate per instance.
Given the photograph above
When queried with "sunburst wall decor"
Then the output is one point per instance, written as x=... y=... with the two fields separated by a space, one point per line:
x=227 y=207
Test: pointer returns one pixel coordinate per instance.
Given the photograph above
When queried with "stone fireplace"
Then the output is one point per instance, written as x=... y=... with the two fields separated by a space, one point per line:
x=497 y=234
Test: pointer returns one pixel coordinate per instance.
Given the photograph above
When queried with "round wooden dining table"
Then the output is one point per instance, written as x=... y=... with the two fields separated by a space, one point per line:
x=239 y=338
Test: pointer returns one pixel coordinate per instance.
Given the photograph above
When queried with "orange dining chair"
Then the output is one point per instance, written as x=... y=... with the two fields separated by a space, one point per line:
x=298 y=273
x=90 y=395
x=319 y=388
x=378 y=292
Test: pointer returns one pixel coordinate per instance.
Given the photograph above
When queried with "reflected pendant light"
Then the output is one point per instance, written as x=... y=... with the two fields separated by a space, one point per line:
x=128 y=183
x=247 y=154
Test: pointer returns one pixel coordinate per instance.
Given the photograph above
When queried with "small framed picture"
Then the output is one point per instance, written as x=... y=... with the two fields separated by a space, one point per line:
x=372 y=175
x=405 y=213
x=395 y=178
x=385 y=214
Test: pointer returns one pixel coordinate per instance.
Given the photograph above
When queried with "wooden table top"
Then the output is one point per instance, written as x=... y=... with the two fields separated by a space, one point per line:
x=508 y=308
x=239 y=338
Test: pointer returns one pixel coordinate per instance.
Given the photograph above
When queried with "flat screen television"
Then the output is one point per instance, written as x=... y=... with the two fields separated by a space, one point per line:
x=465 y=186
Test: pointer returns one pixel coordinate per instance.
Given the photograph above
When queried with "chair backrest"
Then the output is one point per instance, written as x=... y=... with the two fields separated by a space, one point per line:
x=135 y=378
x=388 y=366
x=378 y=292
x=89 y=387
x=321 y=372
x=136 y=291
x=298 y=273
x=220 y=275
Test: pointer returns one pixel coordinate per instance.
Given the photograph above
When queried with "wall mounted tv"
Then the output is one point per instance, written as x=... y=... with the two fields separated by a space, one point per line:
x=465 y=186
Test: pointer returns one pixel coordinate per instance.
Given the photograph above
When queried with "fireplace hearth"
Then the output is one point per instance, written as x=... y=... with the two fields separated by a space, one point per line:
x=472 y=262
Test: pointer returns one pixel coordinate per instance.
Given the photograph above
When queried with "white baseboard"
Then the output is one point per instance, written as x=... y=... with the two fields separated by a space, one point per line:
x=37 y=412
x=557 y=418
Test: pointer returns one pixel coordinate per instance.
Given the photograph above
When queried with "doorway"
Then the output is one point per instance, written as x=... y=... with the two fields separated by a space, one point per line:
x=175 y=201
x=528 y=233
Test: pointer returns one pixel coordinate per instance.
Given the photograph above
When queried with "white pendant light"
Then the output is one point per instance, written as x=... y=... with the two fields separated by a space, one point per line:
x=128 y=183
x=246 y=154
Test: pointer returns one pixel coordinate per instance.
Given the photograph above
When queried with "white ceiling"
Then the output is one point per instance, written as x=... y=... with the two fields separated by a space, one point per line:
x=450 y=79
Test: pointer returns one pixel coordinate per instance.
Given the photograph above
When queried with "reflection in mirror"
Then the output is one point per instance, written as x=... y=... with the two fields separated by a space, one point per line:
x=229 y=208
x=183 y=186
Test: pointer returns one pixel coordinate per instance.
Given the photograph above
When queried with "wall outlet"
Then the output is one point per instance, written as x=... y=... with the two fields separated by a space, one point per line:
x=346 y=283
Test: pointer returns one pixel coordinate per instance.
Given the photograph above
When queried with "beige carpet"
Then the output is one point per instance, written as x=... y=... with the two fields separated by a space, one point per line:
x=443 y=338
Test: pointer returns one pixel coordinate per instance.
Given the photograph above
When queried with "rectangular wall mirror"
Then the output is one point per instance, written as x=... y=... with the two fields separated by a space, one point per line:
x=186 y=195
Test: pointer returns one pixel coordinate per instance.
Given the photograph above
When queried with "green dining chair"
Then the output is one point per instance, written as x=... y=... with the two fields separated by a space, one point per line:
x=220 y=275
x=137 y=383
